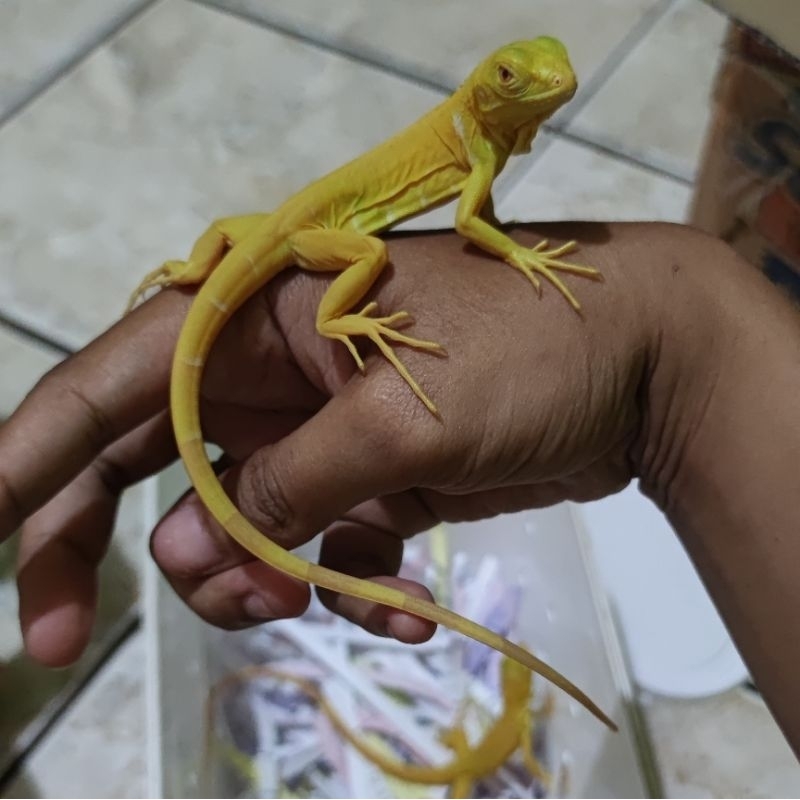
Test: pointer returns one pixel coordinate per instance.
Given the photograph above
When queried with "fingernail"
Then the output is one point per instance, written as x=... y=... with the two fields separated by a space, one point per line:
x=256 y=607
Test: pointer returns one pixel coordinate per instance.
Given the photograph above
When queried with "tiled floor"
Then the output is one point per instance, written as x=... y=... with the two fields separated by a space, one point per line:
x=125 y=125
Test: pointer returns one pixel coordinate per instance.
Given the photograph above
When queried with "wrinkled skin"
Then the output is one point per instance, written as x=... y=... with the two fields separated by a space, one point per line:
x=663 y=379
x=537 y=405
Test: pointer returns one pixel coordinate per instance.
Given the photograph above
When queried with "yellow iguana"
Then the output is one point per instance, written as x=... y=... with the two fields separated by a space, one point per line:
x=510 y=731
x=457 y=148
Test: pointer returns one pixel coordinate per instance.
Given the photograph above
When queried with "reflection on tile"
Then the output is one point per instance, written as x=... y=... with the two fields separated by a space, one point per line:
x=98 y=748
x=722 y=746
x=188 y=115
x=38 y=37
x=573 y=182
x=657 y=104
x=442 y=41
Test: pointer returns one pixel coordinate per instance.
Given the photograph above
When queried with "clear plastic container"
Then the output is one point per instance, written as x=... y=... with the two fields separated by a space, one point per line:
x=562 y=616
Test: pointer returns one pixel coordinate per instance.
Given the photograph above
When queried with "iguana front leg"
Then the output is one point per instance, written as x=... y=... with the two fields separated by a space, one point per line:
x=207 y=252
x=360 y=259
x=472 y=225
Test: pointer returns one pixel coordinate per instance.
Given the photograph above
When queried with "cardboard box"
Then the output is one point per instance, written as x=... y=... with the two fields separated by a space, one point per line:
x=778 y=20
x=748 y=190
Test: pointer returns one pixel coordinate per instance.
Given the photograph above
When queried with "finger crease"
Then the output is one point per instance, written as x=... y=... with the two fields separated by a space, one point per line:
x=420 y=496
x=375 y=527
x=270 y=499
x=102 y=430
x=112 y=475
x=83 y=551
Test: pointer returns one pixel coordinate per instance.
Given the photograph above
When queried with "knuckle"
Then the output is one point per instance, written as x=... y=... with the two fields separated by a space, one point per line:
x=59 y=383
x=100 y=430
x=378 y=430
x=113 y=476
x=396 y=424
x=264 y=499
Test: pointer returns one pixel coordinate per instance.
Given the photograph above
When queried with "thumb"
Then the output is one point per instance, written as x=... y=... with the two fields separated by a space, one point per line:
x=357 y=447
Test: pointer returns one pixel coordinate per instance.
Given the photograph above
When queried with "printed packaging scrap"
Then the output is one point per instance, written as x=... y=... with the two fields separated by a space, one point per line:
x=268 y=738
x=748 y=191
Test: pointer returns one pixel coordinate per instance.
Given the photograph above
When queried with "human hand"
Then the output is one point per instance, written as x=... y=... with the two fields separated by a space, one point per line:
x=537 y=405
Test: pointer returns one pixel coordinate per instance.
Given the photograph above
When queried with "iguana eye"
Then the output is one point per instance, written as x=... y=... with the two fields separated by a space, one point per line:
x=505 y=74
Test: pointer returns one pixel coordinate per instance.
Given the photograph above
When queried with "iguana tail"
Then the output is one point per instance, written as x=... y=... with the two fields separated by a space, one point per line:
x=414 y=773
x=232 y=282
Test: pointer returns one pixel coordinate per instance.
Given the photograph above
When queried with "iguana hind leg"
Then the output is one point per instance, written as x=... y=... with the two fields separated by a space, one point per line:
x=360 y=260
x=207 y=252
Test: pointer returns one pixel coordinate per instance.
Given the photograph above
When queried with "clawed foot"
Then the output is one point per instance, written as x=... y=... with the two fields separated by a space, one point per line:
x=378 y=330
x=167 y=273
x=546 y=263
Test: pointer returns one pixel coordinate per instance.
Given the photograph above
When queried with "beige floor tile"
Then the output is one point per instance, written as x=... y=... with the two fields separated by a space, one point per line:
x=23 y=362
x=188 y=115
x=656 y=105
x=573 y=182
x=441 y=41
x=722 y=746
x=38 y=37
x=98 y=748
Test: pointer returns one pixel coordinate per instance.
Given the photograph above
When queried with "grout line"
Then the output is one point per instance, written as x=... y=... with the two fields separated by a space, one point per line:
x=367 y=56
x=25 y=331
x=610 y=64
x=38 y=88
x=410 y=72
x=49 y=77
x=128 y=626
x=599 y=147
x=374 y=59
x=614 y=60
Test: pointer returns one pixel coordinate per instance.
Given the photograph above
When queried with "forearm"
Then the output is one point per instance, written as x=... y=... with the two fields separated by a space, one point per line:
x=723 y=459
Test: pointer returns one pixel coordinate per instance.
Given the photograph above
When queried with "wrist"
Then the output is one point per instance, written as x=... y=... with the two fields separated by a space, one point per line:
x=723 y=384
x=720 y=450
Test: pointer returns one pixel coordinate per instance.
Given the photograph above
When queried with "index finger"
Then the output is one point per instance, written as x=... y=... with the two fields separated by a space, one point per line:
x=84 y=404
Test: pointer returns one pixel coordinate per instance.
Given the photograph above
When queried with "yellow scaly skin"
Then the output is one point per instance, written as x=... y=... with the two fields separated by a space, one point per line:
x=457 y=148
x=510 y=731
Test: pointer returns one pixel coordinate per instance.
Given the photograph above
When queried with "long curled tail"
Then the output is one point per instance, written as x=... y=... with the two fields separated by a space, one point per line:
x=224 y=291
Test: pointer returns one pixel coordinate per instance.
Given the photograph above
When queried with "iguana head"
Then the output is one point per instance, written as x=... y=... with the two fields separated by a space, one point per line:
x=517 y=87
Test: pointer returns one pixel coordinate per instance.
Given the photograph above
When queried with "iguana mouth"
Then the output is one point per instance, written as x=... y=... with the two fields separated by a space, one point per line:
x=553 y=97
